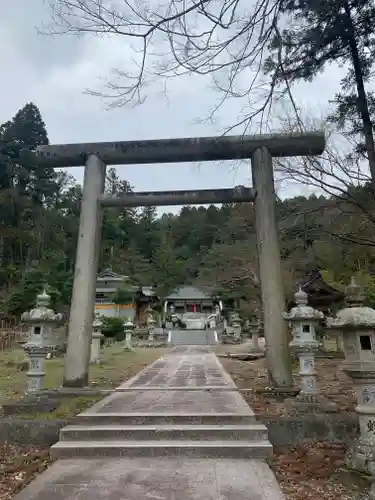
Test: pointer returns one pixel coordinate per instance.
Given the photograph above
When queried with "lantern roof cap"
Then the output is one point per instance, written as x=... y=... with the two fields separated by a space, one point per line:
x=302 y=311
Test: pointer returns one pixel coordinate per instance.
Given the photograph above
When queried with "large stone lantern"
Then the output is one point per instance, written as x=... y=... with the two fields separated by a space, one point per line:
x=42 y=320
x=356 y=324
x=303 y=320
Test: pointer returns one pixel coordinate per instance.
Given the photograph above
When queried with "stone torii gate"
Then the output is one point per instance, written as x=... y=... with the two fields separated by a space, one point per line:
x=95 y=157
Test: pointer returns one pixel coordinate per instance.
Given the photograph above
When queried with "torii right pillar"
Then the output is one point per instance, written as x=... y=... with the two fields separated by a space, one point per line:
x=272 y=288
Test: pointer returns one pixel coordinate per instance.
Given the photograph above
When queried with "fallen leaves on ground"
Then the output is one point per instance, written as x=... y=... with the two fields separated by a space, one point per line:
x=19 y=465
x=332 y=381
x=316 y=471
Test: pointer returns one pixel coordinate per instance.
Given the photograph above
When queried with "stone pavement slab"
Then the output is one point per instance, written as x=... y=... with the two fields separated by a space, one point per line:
x=148 y=479
x=176 y=402
x=182 y=368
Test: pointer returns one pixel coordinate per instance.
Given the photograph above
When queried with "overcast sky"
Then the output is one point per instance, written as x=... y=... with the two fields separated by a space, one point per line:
x=54 y=72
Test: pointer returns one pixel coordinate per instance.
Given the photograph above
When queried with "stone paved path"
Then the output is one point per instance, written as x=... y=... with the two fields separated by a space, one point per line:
x=185 y=372
x=187 y=368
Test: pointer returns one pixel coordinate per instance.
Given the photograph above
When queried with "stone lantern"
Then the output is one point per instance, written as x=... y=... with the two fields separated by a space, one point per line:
x=96 y=337
x=175 y=320
x=356 y=324
x=150 y=323
x=236 y=324
x=217 y=313
x=128 y=328
x=303 y=320
x=255 y=327
x=42 y=320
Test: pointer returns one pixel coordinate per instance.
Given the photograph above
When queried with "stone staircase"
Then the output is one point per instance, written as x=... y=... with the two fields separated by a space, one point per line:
x=193 y=337
x=184 y=405
x=194 y=436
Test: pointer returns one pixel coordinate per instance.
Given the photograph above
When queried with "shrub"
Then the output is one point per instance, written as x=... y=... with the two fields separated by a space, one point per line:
x=113 y=328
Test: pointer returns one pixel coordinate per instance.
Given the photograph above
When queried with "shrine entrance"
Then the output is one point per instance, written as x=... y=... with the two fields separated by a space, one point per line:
x=95 y=156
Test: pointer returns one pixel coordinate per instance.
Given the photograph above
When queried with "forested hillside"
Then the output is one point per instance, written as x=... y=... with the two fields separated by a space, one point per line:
x=214 y=246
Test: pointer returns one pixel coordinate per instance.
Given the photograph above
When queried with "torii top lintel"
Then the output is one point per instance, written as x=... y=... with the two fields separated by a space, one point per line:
x=183 y=150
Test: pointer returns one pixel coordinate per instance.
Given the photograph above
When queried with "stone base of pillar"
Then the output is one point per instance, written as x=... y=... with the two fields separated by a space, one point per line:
x=310 y=403
x=255 y=347
x=236 y=332
x=361 y=458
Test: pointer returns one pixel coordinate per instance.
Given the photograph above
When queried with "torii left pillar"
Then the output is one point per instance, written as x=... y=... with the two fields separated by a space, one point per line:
x=83 y=298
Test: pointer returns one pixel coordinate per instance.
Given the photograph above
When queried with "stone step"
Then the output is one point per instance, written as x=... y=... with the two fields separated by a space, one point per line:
x=103 y=418
x=183 y=449
x=192 y=337
x=257 y=432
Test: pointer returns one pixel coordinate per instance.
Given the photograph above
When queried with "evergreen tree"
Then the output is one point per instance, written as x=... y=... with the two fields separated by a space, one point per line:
x=330 y=31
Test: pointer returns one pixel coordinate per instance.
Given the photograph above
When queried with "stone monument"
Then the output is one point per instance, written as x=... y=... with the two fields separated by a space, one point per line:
x=42 y=320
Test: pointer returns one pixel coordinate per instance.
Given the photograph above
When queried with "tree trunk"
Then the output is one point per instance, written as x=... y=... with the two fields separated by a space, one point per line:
x=362 y=104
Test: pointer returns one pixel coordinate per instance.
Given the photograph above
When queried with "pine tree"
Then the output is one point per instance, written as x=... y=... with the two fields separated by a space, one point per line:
x=331 y=31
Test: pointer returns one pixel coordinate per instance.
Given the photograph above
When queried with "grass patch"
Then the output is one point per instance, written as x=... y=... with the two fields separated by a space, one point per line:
x=68 y=408
x=117 y=366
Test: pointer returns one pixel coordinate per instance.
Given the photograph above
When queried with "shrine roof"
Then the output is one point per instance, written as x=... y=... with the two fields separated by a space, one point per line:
x=188 y=293
x=314 y=284
x=147 y=291
x=110 y=275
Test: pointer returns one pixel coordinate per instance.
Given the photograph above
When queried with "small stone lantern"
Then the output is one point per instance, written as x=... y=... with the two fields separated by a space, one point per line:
x=356 y=323
x=236 y=324
x=128 y=328
x=150 y=323
x=217 y=313
x=255 y=327
x=96 y=337
x=303 y=320
x=42 y=320
x=174 y=316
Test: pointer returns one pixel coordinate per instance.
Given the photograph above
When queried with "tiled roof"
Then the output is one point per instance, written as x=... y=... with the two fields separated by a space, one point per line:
x=188 y=293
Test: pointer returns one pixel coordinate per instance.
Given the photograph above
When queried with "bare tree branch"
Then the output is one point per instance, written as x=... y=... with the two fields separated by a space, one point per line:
x=225 y=40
